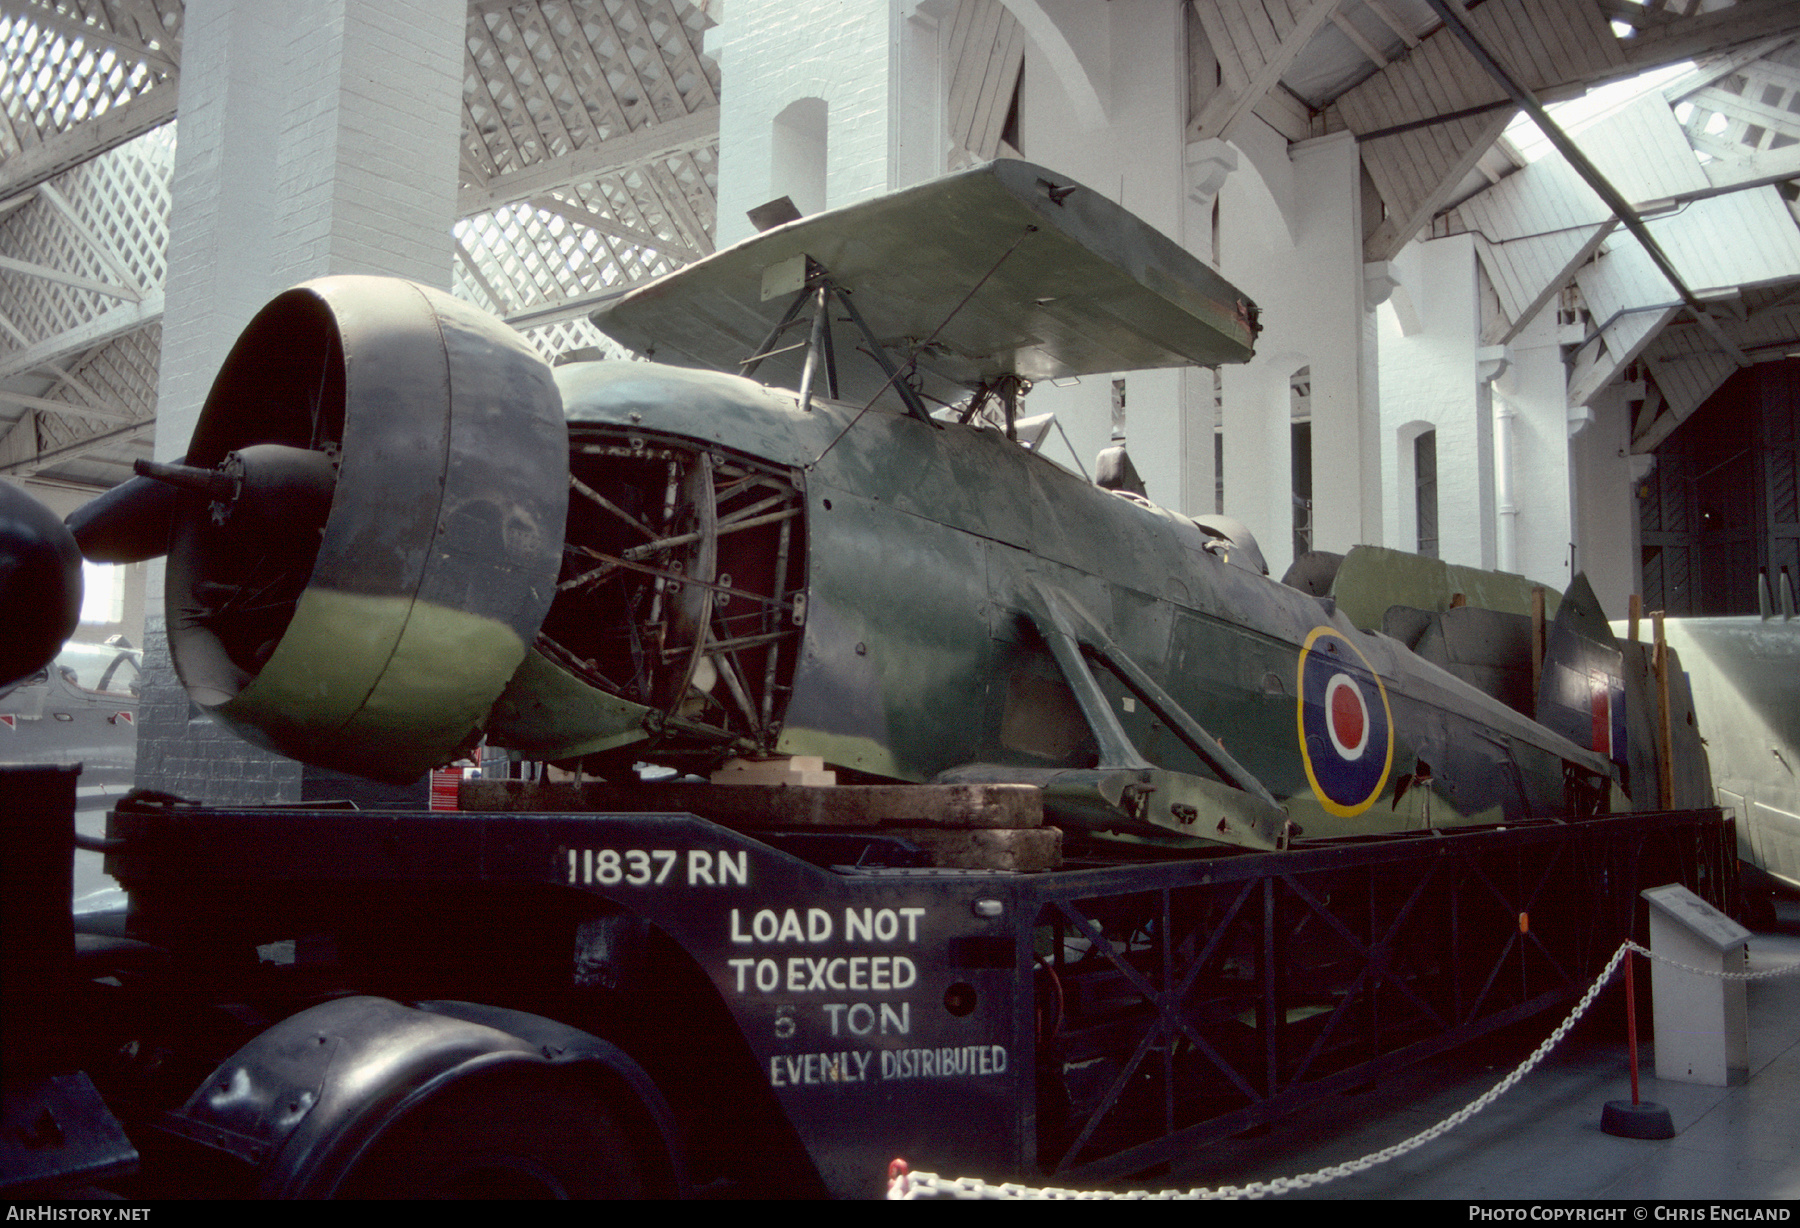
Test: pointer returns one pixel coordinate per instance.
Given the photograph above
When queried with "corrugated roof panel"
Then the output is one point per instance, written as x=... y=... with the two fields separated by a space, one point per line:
x=1763 y=330
x=1524 y=270
x=1687 y=377
x=1546 y=196
x=1771 y=327
x=1745 y=239
x=1414 y=170
x=1629 y=296
x=1622 y=278
x=1640 y=148
x=1625 y=339
x=1441 y=76
x=1689 y=368
x=1643 y=151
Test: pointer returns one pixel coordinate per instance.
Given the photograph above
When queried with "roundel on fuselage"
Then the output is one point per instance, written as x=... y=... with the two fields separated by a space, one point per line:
x=1346 y=727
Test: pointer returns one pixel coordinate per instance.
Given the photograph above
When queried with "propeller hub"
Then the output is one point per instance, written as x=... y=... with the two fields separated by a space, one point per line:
x=269 y=486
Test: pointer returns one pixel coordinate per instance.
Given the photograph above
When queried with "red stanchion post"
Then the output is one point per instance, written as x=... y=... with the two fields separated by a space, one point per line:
x=1631 y=1025
x=1636 y=1119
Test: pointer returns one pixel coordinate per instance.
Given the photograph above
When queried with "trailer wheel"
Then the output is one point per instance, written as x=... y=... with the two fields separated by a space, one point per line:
x=516 y=1132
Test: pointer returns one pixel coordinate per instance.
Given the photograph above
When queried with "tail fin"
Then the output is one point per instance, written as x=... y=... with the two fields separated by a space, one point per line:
x=1582 y=684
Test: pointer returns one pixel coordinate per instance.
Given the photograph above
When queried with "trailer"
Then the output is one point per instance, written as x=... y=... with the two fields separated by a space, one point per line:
x=567 y=1001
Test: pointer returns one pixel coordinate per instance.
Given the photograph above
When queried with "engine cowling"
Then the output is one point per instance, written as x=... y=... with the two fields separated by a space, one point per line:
x=369 y=532
x=385 y=542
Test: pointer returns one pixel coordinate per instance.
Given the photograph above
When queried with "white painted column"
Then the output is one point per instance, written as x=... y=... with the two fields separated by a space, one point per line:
x=1208 y=164
x=1291 y=238
x=1104 y=102
x=1198 y=464
x=221 y=225
x=1328 y=173
x=318 y=137
x=1492 y=364
x=916 y=127
x=315 y=137
x=368 y=169
x=1605 y=479
x=1378 y=283
x=1258 y=449
x=1479 y=515
x=1537 y=387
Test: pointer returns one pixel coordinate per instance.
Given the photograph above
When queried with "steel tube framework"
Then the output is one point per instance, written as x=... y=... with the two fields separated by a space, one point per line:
x=1175 y=1012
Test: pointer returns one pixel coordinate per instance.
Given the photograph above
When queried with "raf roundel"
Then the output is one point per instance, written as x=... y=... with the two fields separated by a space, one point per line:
x=1346 y=727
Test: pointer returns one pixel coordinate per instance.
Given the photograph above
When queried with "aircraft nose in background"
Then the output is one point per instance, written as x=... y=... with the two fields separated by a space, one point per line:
x=40 y=584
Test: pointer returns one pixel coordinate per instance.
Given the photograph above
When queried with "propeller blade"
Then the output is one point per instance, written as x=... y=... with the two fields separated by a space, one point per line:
x=127 y=524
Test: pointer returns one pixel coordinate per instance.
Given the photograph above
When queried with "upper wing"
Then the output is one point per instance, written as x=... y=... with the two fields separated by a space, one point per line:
x=1087 y=288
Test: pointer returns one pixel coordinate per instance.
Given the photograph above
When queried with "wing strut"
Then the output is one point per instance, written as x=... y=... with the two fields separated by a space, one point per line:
x=1009 y=388
x=821 y=292
x=1070 y=641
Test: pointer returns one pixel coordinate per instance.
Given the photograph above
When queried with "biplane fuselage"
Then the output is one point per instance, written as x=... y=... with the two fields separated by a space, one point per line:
x=942 y=560
x=395 y=534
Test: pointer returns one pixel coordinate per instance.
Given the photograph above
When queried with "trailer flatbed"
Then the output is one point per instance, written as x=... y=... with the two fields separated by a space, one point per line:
x=789 y=1010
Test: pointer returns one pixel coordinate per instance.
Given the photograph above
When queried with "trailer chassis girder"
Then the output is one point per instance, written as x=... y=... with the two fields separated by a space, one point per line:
x=1355 y=963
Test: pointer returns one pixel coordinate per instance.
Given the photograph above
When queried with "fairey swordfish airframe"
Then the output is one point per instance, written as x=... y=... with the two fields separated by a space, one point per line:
x=808 y=527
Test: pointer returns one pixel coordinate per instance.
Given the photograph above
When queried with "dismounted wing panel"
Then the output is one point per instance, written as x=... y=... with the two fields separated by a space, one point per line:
x=1074 y=285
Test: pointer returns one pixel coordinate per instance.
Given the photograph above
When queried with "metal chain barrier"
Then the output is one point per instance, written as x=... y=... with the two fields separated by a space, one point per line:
x=1765 y=975
x=905 y=1185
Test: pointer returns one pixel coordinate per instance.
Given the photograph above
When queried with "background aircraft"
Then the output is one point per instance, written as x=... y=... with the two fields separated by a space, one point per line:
x=1745 y=674
x=40 y=584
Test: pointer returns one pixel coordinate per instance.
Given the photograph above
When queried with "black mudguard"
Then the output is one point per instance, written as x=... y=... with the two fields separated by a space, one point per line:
x=308 y=1098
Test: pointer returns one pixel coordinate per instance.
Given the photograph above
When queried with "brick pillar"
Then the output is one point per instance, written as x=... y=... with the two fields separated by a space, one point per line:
x=315 y=137
x=774 y=53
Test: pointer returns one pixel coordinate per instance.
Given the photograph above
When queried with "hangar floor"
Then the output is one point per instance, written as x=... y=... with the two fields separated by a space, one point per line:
x=1542 y=1139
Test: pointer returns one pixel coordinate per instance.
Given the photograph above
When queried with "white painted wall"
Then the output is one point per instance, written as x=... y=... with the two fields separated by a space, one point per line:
x=1535 y=386
x=1303 y=266
x=773 y=53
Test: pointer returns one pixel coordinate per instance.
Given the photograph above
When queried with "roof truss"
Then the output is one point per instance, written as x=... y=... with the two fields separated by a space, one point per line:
x=590 y=151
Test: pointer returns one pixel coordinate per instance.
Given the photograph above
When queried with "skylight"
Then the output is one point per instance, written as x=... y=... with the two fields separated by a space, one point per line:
x=1595 y=105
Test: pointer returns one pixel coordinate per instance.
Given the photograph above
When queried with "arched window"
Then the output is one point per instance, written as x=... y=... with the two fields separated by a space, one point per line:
x=799 y=154
x=1300 y=454
x=1425 y=492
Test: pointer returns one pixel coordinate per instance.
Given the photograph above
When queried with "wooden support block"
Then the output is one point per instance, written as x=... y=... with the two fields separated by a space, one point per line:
x=1539 y=637
x=804 y=770
x=753 y=807
x=1024 y=850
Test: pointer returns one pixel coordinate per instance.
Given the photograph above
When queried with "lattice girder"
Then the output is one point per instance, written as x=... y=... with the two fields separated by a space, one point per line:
x=55 y=74
x=106 y=223
x=543 y=79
